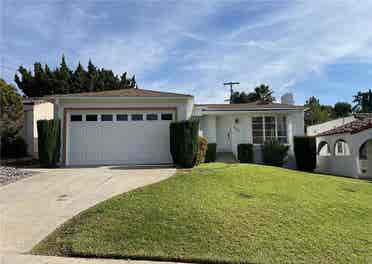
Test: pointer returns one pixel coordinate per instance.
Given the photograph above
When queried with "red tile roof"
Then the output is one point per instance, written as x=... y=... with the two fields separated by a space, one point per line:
x=353 y=127
x=250 y=106
x=124 y=93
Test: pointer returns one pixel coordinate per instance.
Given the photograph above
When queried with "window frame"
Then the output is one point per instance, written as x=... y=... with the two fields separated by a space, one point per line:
x=276 y=137
x=86 y=117
x=75 y=115
x=123 y=120
x=152 y=114
x=136 y=114
x=165 y=114
x=112 y=118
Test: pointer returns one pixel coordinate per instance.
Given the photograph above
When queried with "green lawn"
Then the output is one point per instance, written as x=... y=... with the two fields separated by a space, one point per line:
x=228 y=213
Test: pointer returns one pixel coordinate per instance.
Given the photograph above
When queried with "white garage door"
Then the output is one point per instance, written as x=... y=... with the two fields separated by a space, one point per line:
x=118 y=138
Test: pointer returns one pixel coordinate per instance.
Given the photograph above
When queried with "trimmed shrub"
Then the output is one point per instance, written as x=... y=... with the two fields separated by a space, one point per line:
x=13 y=147
x=211 y=154
x=245 y=153
x=274 y=153
x=49 y=142
x=305 y=152
x=184 y=142
x=202 y=150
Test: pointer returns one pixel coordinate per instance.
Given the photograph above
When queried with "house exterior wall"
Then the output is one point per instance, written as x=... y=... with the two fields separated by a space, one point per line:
x=33 y=113
x=348 y=165
x=183 y=107
x=217 y=126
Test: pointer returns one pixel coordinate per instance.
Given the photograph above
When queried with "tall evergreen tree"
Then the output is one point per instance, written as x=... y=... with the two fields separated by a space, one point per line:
x=363 y=102
x=44 y=81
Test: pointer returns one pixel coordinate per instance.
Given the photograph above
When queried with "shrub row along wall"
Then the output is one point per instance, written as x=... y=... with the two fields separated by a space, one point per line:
x=49 y=142
x=274 y=153
x=305 y=152
x=184 y=142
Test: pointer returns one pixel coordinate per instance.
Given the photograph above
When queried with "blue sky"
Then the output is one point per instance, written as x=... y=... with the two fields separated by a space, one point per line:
x=321 y=48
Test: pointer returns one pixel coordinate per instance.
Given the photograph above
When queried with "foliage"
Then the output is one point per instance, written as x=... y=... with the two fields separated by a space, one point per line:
x=63 y=80
x=184 y=142
x=49 y=142
x=219 y=213
x=305 y=152
x=363 y=102
x=274 y=153
x=11 y=104
x=202 y=150
x=211 y=154
x=13 y=147
x=316 y=112
x=261 y=93
x=245 y=153
x=342 y=109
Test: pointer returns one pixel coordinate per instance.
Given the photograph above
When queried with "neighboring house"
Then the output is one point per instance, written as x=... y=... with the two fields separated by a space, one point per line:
x=131 y=126
x=323 y=127
x=34 y=110
x=347 y=149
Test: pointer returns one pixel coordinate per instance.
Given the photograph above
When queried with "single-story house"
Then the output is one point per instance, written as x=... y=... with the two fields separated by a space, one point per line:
x=131 y=126
x=323 y=127
x=346 y=150
x=34 y=110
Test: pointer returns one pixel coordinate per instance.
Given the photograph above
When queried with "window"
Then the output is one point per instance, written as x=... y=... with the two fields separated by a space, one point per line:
x=323 y=149
x=137 y=117
x=282 y=129
x=167 y=116
x=91 y=118
x=341 y=148
x=269 y=128
x=106 y=117
x=121 y=117
x=257 y=130
x=152 y=117
x=363 y=153
x=76 y=118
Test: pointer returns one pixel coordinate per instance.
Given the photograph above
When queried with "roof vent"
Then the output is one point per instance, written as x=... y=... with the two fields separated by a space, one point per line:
x=287 y=98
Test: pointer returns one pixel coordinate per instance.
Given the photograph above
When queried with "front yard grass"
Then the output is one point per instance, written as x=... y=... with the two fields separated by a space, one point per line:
x=227 y=213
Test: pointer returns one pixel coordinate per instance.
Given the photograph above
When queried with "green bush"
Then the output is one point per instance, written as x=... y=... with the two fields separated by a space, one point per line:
x=13 y=147
x=184 y=142
x=274 y=153
x=202 y=150
x=245 y=153
x=49 y=142
x=211 y=154
x=305 y=152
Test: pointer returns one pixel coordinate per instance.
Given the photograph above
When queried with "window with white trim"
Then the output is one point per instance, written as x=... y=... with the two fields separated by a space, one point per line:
x=257 y=130
x=281 y=122
x=267 y=128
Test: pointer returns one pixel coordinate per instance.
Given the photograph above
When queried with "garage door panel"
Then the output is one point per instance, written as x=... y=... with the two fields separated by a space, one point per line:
x=127 y=142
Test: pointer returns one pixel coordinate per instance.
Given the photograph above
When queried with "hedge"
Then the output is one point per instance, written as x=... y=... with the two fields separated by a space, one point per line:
x=211 y=154
x=305 y=152
x=184 y=142
x=49 y=142
x=245 y=153
x=274 y=153
x=13 y=147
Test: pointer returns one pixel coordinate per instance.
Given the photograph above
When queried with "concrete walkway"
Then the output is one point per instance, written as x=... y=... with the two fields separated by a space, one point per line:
x=32 y=208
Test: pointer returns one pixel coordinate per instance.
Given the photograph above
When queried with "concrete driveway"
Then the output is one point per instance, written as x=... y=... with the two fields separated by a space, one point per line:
x=32 y=208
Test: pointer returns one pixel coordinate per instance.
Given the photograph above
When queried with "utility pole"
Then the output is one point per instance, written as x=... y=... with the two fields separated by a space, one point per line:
x=231 y=88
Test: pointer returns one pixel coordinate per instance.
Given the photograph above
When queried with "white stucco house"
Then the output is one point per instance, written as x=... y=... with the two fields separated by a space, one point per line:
x=34 y=110
x=346 y=150
x=131 y=126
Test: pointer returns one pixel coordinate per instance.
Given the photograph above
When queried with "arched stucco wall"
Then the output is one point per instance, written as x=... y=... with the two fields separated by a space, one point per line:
x=337 y=165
